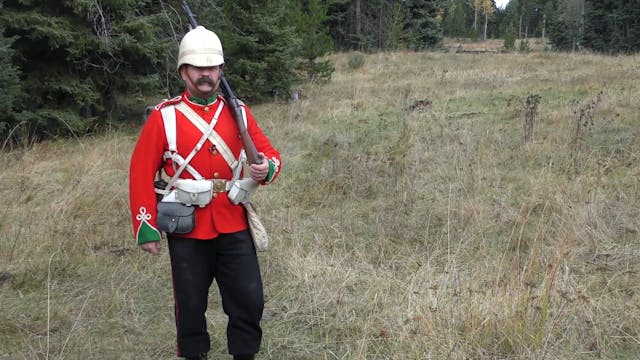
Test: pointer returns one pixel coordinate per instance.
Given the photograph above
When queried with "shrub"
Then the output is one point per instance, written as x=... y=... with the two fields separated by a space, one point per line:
x=509 y=40
x=356 y=61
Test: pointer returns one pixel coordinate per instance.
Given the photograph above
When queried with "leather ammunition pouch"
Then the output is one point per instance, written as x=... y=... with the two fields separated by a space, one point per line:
x=194 y=192
x=241 y=190
x=175 y=217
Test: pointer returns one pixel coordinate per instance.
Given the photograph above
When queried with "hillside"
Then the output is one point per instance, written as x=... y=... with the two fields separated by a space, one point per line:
x=431 y=205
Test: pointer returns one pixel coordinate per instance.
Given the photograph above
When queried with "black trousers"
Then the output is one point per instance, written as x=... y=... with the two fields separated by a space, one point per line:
x=231 y=260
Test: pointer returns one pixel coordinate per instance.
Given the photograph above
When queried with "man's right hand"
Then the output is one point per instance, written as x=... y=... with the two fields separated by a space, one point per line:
x=152 y=247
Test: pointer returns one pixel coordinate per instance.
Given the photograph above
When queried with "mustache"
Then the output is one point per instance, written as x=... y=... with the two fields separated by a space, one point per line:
x=205 y=80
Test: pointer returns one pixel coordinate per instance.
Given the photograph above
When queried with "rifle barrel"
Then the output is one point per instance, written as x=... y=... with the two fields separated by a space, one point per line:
x=232 y=100
x=192 y=18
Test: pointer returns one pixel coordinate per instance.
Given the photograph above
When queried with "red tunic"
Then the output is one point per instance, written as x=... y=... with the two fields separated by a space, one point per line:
x=219 y=216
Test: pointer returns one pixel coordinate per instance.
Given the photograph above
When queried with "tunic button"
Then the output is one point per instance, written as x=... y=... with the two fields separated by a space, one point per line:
x=216 y=175
x=214 y=152
x=206 y=109
x=215 y=195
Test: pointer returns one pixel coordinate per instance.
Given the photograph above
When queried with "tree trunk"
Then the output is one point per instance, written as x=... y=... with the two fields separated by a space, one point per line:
x=358 y=25
x=380 y=44
x=486 y=24
x=475 y=20
x=520 y=26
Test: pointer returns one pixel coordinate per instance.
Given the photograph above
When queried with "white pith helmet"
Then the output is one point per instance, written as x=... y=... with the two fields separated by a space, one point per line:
x=200 y=47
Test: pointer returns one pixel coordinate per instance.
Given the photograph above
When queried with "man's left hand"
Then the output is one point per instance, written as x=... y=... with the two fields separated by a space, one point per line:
x=258 y=172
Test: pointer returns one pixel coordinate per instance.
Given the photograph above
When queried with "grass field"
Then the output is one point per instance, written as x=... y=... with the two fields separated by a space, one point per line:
x=431 y=206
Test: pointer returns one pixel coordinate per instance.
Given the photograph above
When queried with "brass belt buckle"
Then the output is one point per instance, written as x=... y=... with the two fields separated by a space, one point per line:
x=219 y=185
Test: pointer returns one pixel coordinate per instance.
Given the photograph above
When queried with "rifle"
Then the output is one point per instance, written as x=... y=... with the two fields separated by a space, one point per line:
x=249 y=147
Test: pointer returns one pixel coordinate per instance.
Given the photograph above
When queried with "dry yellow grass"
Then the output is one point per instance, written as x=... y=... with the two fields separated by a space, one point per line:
x=492 y=45
x=412 y=221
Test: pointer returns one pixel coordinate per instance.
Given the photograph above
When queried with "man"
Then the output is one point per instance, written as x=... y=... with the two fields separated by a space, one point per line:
x=220 y=246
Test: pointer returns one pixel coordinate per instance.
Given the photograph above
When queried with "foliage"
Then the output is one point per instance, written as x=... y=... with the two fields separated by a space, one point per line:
x=317 y=71
x=565 y=28
x=394 y=24
x=78 y=60
x=356 y=61
x=530 y=18
x=612 y=26
x=309 y=19
x=9 y=83
x=422 y=29
x=524 y=46
x=509 y=39
x=337 y=22
x=385 y=24
x=603 y=26
x=457 y=18
x=262 y=51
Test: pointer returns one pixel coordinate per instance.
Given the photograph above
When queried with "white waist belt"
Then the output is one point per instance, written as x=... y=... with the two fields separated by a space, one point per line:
x=197 y=192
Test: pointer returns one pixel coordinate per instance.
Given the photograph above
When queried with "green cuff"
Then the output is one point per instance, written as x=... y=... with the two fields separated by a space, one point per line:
x=147 y=233
x=271 y=173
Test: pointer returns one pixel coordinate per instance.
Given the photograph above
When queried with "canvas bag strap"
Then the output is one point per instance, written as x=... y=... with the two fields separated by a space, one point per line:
x=178 y=159
x=169 y=120
x=214 y=137
x=238 y=170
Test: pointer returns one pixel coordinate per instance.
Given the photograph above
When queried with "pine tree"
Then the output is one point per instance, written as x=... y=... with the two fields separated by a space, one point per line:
x=338 y=21
x=309 y=20
x=394 y=24
x=423 y=24
x=457 y=18
x=82 y=64
x=612 y=26
x=565 y=28
x=260 y=47
x=9 y=83
x=598 y=29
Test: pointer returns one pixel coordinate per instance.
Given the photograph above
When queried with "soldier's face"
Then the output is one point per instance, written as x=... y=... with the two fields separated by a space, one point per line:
x=201 y=81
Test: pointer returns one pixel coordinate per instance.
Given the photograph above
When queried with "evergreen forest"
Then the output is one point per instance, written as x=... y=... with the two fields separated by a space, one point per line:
x=75 y=67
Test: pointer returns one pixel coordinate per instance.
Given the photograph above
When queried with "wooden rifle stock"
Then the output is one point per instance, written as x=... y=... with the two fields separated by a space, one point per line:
x=249 y=147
